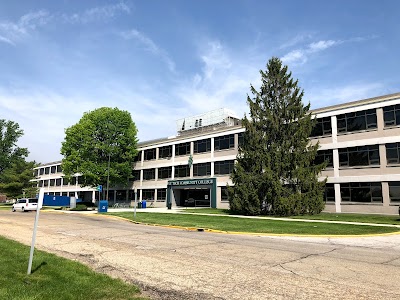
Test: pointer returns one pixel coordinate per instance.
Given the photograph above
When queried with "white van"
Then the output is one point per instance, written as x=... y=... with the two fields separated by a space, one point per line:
x=25 y=204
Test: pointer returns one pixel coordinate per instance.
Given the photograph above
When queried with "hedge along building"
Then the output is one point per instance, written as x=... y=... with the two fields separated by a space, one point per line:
x=360 y=140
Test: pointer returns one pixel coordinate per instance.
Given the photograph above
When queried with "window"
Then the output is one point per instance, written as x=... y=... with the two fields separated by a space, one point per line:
x=59 y=169
x=147 y=195
x=136 y=175
x=47 y=170
x=240 y=138
x=53 y=169
x=324 y=155
x=329 y=194
x=323 y=126
x=58 y=182
x=182 y=149
x=223 y=167
x=65 y=194
x=202 y=146
x=394 y=192
x=41 y=171
x=164 y=172
x=52 y=182
x=392 y=153
x=361 y=192
x=359 y=156
x=161 y=195
x=224 y=142
x=138 y=157
x=357 y=121
x=150 y=154
x=41 y=183
x=120 y=196
x=149 y=174
x=224 y=194
x=165 y=152
x=391 y=115
x=73 y=180
x=65 y=181
x=45 y=183
x=36 y=173
x=202 y=169
x=182 y=171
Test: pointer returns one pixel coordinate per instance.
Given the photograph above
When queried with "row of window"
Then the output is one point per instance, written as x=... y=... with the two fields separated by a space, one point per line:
x=59 y=182
x=363 y=192
x=204 y=169
x=200 y=146
x=360 y=156
x=48 y=170
x=356 y=121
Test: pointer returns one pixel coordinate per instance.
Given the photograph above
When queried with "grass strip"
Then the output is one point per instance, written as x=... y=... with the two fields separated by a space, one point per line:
x=342 y=217
x=54 y=277
x=225 y=223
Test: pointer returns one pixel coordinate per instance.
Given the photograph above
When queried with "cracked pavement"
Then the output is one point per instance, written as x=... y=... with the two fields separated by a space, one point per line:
x=179 y=264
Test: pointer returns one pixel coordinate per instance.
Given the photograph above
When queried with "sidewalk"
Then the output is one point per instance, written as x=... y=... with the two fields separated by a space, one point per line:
x=178 y=210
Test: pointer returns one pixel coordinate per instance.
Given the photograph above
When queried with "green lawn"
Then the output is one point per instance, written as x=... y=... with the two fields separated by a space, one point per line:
x=54 y=277
x=268 y=226
x=343 y=217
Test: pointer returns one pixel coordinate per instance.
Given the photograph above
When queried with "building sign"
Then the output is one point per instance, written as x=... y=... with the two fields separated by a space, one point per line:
x=190 y=182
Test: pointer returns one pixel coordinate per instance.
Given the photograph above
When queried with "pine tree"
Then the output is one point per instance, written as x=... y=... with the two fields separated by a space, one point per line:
x=275 y=171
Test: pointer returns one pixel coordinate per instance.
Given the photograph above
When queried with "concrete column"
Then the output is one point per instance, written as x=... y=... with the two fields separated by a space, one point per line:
x=157 y=153
x=334 y=129
x=335 y=163
x=155 y=195
x=338 y=198
x=379 y=119
x=173 y=161
x=156 y=173
x=382 y=157
x=236 y=141
x=385 y=194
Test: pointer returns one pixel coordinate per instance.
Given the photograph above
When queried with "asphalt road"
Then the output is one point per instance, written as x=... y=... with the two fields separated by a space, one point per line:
x=179 y=264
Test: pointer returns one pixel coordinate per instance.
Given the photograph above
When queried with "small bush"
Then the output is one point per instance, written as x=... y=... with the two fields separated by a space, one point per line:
x=79 y=207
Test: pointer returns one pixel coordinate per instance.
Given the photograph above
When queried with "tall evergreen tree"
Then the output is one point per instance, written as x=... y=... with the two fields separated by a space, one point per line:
x=275 y=171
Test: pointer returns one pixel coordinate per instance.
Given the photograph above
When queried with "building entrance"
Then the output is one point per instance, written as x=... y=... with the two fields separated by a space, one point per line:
x=194 y=197
x=192 y=193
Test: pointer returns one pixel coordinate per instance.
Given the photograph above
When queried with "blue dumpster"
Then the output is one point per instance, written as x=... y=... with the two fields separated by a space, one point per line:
x=103 y=206
x=143 y=203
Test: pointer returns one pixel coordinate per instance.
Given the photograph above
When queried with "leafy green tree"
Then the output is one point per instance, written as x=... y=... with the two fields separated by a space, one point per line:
x=15 y=180
x=275 y=171
x=104 y=140
x=9 y=151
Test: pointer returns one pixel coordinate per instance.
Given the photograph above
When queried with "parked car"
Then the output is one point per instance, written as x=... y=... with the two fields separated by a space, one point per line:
x=25 y=204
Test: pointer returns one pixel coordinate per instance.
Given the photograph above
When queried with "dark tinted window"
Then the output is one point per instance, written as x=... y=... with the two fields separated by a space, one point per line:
x=150 y=154
x=202 y=169
x=359 y=156
x=202 y=146
x=394 y=191
x=136 y=175
x=361 y=192
x=182 y=149
x=324 y=155
x=391 y=115
x=322 y=127
x=161 y=195
x=329 y=192
x=148 y=194
x=182 y=171
x=164 y=172
x=357 y=121
x=165 y=152
x=149 y=174
x=223 y=167
x=392 y=153
x=224 y=142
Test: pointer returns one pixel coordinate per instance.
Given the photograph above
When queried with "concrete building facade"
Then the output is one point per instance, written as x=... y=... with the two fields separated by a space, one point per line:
x=360 y=140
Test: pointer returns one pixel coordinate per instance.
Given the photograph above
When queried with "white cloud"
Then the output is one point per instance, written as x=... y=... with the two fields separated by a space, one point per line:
x=297 y=56
x=149 y=45
x=98 y=13
x=224 y=81
x=13 y=32
x=320 y=97
x=322 y=45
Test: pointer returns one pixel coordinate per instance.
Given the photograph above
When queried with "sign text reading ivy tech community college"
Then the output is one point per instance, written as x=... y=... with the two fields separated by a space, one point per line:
x=191 y=182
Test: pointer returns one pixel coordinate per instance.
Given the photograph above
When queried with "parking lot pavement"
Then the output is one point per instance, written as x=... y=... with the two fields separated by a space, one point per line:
x=180 y=264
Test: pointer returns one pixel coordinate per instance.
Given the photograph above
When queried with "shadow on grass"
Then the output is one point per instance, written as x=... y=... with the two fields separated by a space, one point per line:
x=39 y=266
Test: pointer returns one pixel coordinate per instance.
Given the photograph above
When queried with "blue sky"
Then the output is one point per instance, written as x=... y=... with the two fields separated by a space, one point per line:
x=165 y=60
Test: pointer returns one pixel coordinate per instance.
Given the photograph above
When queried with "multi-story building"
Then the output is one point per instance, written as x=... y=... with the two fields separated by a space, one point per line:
x=360 y=140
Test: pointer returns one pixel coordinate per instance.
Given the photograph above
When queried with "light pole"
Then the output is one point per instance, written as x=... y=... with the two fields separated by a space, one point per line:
x=108 y=173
